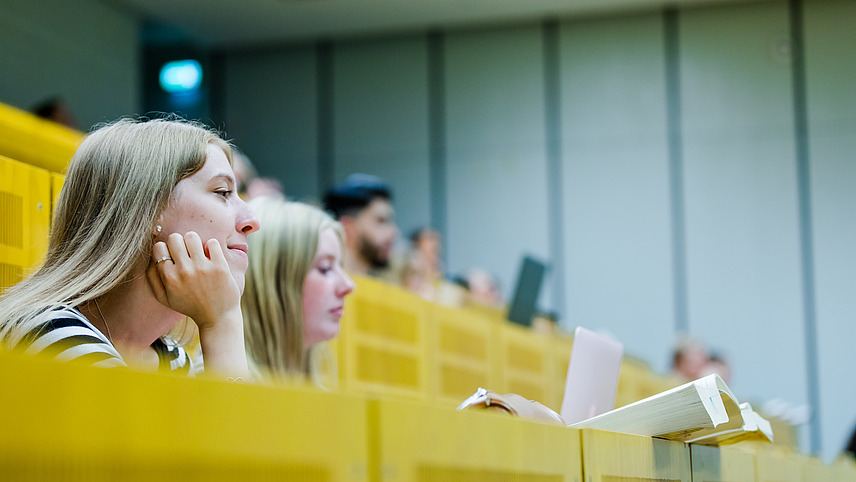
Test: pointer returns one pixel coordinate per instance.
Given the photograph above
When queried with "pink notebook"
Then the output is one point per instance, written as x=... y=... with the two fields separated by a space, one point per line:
x=592 y=378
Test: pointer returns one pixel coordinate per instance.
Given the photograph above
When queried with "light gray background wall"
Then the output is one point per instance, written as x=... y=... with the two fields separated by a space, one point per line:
x=84 y=51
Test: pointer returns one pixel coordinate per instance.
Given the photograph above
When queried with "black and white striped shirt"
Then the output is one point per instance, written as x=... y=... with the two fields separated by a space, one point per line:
x=69 y=336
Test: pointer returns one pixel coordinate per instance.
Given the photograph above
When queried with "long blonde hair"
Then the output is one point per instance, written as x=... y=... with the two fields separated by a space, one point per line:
x=281 y=256
x=118 y=183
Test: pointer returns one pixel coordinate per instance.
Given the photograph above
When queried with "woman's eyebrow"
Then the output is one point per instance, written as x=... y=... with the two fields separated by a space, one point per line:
x=226 y=177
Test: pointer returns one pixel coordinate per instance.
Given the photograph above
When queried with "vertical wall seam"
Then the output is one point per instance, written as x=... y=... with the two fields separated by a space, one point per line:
x=555 y=178
x=795 y=8
x=437 y=137
x=676 y=168
x=325 y=121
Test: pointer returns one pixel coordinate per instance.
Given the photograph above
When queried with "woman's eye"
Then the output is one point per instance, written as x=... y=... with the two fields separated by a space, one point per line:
x=324 y=269
x=224 y=192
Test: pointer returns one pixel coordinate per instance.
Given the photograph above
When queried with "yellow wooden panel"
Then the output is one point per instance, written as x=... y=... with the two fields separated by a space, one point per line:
x=845 y=469
x=382 y=343
x=631 y=383
x=425 y=442
x=80 y=423
x=24 y=219
x=524 y=363
x=615 y=457
x=460 y=358
x=815 y=470
x=559 y=360
x=773 y=464
x=36 y=141
x=722 y=464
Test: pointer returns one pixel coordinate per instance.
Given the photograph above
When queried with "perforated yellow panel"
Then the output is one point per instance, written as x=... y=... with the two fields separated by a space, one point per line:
x=382 y=343
x=612 y=457
x=424 y=442
x=524 y=363
x=726 y=464
x=460 y=358
x=24 y=219
x=79 y=423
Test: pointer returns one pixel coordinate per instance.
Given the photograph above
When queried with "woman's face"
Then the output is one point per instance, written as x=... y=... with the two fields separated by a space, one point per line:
x=324 y=291
x=207 y=203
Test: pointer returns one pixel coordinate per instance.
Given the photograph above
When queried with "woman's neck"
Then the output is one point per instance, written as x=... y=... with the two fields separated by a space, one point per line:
x=131 y=317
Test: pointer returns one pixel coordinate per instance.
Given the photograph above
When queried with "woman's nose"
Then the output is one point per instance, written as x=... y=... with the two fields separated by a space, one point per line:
x=247 y=221
x=346 y=285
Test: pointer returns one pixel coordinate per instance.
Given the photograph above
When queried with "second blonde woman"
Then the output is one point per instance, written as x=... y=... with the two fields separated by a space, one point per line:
x=295 y=289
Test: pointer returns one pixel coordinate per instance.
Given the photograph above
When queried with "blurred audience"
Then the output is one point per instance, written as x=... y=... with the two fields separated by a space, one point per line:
x=295 y=289
x=484 y=288
x=55 y=109
x=363 y=205
x=423 y=270
x=690 y=359
x=718 y=364
x=250 y=184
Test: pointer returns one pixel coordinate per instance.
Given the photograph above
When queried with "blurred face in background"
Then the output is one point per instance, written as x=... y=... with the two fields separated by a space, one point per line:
x=324 y=291
x=376 y=232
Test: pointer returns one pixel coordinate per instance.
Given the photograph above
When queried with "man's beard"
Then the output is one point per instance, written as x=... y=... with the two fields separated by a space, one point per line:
x=372 y=254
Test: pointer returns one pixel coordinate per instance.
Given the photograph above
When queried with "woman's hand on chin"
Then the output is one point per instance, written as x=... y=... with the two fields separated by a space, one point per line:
x=200 y=285
x=194 y=279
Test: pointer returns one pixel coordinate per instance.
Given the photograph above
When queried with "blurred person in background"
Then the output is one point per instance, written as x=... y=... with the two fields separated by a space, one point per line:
x=718 y=364
x=250 y=184
x=363 y=205
x=56 y=109
x=423 y=272
x=690 y=359
x=148 y=231
x=296 y=289
x=484 y=288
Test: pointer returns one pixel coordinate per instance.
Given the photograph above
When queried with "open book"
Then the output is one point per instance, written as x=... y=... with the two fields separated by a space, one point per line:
x=703 y=412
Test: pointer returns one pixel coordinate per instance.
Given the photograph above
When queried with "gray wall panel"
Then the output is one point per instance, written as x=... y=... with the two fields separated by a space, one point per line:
x=86 y=51
x=496 y=171
x=745 y=291
x=831 y=75
x=381 y=120
x=616 y=182
x=271 y=114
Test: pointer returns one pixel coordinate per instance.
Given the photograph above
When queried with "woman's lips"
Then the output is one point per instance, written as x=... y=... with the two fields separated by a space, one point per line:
x=243 y=248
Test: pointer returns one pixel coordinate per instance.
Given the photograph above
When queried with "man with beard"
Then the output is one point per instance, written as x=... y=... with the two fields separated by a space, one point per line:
x=363 y=204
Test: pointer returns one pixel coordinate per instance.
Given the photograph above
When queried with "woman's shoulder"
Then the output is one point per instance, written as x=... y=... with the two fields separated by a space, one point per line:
x=64 y=334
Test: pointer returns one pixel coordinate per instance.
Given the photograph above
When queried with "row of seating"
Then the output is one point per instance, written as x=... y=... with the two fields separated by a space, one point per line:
x=395 y=343
x=72 y=422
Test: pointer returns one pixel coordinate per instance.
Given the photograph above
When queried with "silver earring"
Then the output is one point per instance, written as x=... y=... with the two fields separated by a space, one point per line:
x=158 y=228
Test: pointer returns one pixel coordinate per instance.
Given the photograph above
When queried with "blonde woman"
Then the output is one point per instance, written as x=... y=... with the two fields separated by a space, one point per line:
x=296 y=287
x=148 y=230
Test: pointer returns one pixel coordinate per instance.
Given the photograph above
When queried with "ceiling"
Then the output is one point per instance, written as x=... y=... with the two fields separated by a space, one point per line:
x=239 y=23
